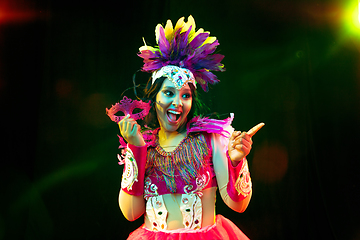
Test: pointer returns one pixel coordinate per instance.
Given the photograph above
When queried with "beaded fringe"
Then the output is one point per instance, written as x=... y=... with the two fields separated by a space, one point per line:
x=185 y=160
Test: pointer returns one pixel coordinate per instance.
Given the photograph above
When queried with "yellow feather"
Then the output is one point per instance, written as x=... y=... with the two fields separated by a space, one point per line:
x=157 y=32
x=142 y=48
x=180 y=23
x=169 y=30
x=190 y=22
x=209 y=40
x=201 y=30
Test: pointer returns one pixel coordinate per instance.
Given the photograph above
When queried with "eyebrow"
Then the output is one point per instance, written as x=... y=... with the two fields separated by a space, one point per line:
x=173 y=88
x=169 y=87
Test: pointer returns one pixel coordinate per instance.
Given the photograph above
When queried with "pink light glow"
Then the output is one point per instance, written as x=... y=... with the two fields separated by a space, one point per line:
x=15 y=12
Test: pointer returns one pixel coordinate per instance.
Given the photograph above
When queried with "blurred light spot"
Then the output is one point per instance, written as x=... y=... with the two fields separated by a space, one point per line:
x=351 y=18
x=17 y=12
x=6 y=17
x=359 y=11
x=358 y=73
x=323 y=13
x=270 y=163
x=64 y=88
x=93 y=110
x=300 y=54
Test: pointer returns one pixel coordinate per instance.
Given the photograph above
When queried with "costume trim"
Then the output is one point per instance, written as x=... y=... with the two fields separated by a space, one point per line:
x=130 y=174
x=185 y=230
x=186 y=160
x=134 y=171
x=239 y=185
x=150 y=189
x=243 y=183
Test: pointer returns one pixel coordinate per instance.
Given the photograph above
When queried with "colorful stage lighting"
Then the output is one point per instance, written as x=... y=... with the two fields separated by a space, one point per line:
x=351 y=18
x=359 y=11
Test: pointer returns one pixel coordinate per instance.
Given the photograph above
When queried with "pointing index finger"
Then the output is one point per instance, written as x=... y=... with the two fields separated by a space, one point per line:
x=254 y=130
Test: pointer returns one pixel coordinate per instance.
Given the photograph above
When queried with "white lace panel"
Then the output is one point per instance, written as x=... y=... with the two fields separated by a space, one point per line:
x=150 y=189
x=191 y=210
x=157 y=213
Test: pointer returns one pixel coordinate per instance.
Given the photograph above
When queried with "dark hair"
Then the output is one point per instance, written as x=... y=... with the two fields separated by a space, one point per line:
x=198 y=108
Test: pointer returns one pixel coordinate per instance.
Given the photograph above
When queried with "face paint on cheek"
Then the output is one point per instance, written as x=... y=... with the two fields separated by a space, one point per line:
x=160 y=108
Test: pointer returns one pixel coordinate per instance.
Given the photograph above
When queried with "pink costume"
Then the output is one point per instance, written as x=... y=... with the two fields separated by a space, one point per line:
x=188 y=170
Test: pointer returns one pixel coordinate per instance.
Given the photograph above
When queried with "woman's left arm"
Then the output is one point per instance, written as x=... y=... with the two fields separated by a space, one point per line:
x=232 y=170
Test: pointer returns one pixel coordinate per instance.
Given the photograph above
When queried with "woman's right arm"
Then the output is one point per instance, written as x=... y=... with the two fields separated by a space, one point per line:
x=131 y=206
x=131 y=196
x=221 y=167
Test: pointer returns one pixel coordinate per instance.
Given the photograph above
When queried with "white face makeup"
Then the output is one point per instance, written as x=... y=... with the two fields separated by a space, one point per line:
x=172 y=105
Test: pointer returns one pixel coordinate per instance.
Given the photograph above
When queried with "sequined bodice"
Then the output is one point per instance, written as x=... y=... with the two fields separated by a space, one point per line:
x=187 y=169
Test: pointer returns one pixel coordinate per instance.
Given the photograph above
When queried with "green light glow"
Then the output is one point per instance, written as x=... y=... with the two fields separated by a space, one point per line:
x=352 y=17
x=359 y=11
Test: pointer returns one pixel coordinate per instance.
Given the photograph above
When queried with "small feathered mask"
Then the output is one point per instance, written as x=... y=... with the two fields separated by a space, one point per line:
x=182 y=49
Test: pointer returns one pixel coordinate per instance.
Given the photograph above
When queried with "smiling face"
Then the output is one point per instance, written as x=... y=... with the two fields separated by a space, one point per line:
x=173 y=106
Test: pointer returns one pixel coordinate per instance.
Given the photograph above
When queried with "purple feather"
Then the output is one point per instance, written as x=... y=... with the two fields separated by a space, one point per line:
x=184 y=39
x=200 y=54
x=198 y=40
x=164 y=45
x=206 y=49
x=207 y=77
x=152 y=65
x=211 y=62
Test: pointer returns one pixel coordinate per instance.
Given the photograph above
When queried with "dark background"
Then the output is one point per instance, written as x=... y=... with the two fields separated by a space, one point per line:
x=291 y=64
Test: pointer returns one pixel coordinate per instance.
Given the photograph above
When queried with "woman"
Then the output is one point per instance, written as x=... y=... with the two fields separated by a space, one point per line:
x=172 y=172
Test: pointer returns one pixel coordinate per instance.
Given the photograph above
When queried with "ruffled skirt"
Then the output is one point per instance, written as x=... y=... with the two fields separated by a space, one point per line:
x=223 y=229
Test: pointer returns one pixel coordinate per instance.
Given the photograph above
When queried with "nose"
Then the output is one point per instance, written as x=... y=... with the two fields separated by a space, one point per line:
x=177 y=101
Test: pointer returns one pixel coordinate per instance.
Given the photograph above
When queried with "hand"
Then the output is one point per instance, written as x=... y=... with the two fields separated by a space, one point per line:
x=130 y=130
x=240 y=143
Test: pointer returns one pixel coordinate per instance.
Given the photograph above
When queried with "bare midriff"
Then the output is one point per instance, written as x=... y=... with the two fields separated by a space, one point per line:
x=175 y=220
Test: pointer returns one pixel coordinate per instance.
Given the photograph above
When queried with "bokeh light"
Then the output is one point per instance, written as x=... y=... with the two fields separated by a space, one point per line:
x=17 y=12
x=359 y=12
x=270 y=162
x=351 y=19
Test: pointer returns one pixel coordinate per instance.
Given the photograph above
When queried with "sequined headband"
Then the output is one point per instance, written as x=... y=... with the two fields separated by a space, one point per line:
x=179 y=76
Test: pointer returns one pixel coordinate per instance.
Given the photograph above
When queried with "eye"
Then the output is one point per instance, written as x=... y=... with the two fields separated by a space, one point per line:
x=168 y=93
x=186 y=95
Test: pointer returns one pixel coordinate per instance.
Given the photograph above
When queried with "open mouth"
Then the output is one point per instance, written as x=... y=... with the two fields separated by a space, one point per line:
x=173 y=116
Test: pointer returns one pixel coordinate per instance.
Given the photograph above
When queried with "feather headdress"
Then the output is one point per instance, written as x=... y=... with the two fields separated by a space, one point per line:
x=183 y=47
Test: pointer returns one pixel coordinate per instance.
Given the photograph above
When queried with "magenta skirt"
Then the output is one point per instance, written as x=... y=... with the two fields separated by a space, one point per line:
x=223 y=229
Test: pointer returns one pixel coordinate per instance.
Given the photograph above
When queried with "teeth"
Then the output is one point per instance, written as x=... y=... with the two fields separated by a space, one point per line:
x=174 y=112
